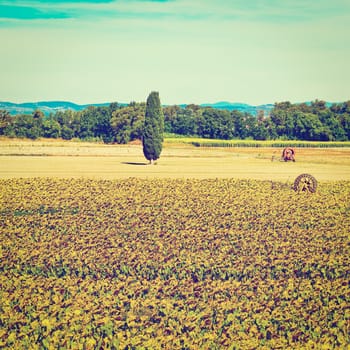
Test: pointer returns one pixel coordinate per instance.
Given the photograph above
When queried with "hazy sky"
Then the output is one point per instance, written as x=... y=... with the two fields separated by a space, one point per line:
x=191 y=51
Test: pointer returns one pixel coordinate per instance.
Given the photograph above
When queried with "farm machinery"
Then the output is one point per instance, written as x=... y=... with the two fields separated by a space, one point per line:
x=303 y=182
x=288 y=154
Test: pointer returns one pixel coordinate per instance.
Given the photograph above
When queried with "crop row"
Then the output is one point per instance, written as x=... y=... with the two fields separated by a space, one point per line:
x=278 y=144
x=180 y=264
x=203 y=142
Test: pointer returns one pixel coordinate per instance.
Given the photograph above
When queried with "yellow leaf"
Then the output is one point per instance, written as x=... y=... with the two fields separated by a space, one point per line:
x=34 y=324
x=77 y=312
x=48 y=322
x=90 y=343
x=12 y=337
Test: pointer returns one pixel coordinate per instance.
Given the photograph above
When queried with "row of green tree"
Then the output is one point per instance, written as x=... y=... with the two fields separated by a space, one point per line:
x=316 y=121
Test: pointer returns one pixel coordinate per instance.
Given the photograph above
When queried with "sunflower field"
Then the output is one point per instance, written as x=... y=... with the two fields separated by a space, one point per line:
x=173 y=264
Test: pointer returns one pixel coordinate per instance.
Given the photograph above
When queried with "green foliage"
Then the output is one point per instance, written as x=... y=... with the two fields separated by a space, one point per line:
x=127 y=122
x=152 y=137
x=67 y=133
x=316 y=121
x=51 y=128
x=25 y=126
x=5 y=121
x=182 y=121
x=287 y=121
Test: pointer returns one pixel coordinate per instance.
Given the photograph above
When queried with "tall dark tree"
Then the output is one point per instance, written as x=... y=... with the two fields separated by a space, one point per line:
x=153 y=128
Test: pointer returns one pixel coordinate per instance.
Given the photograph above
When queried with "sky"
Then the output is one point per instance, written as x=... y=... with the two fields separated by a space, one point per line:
x=190 y=51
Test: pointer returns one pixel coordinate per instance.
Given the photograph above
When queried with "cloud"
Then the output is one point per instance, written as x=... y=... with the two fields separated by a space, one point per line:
x=39 y=2
x=83 y=9
x=44 y=9
x=185 y=10
x=29 y=13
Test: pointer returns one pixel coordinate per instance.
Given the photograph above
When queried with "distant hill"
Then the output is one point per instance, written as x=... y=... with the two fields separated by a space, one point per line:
x=242 y=107
x=48 y=107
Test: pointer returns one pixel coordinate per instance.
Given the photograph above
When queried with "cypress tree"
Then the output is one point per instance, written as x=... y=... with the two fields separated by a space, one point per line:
x=153 y=128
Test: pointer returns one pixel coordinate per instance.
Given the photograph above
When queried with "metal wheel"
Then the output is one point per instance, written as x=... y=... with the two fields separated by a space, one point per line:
x=305 y=183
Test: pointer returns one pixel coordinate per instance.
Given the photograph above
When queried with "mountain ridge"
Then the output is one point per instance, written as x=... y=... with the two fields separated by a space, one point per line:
x=238 y=106
x=48 y=107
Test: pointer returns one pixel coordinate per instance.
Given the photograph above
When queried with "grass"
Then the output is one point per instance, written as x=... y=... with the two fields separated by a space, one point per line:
x=64 y=159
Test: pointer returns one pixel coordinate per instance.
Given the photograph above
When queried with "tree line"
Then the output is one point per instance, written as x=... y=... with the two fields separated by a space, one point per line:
x=315 y=121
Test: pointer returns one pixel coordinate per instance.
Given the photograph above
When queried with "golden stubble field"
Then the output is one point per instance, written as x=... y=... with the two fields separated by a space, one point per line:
x=47 y=158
